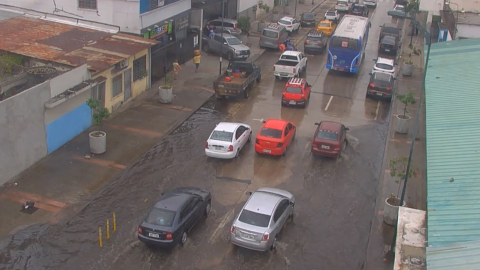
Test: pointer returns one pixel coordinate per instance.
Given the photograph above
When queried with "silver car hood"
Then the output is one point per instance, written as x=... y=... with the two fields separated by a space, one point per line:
x=240 y=47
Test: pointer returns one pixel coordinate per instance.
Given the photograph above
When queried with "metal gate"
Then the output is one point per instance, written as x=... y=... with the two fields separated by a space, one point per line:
x=127 y=84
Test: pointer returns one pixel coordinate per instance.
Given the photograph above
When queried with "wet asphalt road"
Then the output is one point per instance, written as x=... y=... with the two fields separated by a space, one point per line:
x=335 y=198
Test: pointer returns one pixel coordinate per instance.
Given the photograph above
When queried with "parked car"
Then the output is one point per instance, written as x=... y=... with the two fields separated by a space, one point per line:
x=359 y=10
x=230 y=26
x=290 y=24
x=385 y=65
x=332 y=15
x=232 y=47
x=390 y=29
x=327 y=27
x=353 y=1
x=343 y=6
x=296 y=92
x=262 y=218
x=272 y=36
x=370 y=3
x=237 y=87
x=173 y=216
x=381 y=84
x=307 y=19
x=227 y=140
x=274 y=137
x=389 y=45
x=290 y=64
x=316 y=42
x=397 y=12
x=330 y=139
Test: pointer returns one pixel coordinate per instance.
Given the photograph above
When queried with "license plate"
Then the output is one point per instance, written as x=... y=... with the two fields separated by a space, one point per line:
x=387 y=50
x=379 y=94
x=248 y=236
x=325 y=147
x=292 y=102
x=267 y=151
x=218 y=148
x=341 y=69
x=156 y=235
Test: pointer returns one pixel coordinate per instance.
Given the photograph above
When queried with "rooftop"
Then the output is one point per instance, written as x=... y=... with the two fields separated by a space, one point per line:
x=467 y=5
x=452 y=122
x=468 y=18
x=66 y=44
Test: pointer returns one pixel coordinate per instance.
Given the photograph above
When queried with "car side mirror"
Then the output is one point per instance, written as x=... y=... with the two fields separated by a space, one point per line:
x=375 y=60
x=317 y=124
x=396 y=64
x=224 y=43
x=370 y=73
x=292 y=203
x=248 y=193
x=263 y=121
x=347 y=128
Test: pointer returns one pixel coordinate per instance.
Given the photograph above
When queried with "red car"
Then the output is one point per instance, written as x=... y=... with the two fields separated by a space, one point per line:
x=274 y=137
x=330 y=139
x=296 y=92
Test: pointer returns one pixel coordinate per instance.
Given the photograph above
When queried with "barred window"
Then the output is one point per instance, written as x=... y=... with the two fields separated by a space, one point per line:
x=87 y=4
x=140 y=68
x=117 y=86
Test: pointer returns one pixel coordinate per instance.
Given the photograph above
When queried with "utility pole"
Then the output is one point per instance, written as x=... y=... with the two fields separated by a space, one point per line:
x=221 y=35
x=295 y=15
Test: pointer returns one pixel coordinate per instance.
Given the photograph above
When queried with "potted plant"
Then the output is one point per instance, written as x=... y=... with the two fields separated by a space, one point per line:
x=275 y=15
x=403 y=120
x=407 y=68
x=244 y=24
x=398 y=170
x=165 y=91
x=97 y=139
x=286 y=8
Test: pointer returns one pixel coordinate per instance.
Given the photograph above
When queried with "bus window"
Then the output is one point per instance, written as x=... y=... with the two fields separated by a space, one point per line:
x=340 y=42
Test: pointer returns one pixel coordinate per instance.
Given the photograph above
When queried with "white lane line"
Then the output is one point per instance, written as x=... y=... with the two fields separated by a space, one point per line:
x=328 y=104
x=306 y=146
x=221 y=225
x=376 y=111
x=260 y=120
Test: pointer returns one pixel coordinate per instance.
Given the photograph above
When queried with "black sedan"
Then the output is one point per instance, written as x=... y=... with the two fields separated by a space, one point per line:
x=359 y=10
x=307 y=19
x=389 y=45
x=381 y=85
x=173 y=216
x=315 y=43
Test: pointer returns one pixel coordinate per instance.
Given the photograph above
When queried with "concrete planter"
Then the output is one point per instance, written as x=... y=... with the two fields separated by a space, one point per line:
x=390 y=211
x=275 y=17
x=403 y=123
x=261 y=26
x=98 y=142
x=165 y=94
x=407 y=70
x=286 y=10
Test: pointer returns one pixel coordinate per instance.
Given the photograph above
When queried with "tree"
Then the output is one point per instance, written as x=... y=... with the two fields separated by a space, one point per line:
x=406 y=100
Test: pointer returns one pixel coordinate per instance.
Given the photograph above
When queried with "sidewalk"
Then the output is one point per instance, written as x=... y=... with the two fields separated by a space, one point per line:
x=60 y=182
x=398 y=146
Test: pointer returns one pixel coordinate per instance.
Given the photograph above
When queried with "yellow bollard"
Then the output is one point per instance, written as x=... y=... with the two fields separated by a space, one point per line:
x=100 y=236
x=108 y=230
x=114 y=223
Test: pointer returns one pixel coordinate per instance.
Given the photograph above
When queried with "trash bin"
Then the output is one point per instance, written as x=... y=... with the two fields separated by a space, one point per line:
x=165 y=94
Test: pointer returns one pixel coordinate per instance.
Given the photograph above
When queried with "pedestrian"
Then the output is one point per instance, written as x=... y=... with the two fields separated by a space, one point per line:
x=176 y=69
x=212 y=32
x=196 y=60
x=416 y=31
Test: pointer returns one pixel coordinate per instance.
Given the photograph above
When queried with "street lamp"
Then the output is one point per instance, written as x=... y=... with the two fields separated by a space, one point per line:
x=221 y=38
x=390 y=255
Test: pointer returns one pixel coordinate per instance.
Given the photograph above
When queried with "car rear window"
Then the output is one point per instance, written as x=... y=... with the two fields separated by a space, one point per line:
x=327 y=135
x=288 y=57
x=384 y=66
x=308 y=16
x=314 y=39
x=222 y=136
x=271 y=133
x=324 y=24
x=255 y=219
x=388 y=40
x=285 y=22
x=379 y=76
x=161 y=217
x=357 y=8
x=331 y=13
x=348 y=43
x=270 y=34
x=293 y=90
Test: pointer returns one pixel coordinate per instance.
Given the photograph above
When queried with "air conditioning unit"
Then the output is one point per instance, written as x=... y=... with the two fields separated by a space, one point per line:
x=122 y=64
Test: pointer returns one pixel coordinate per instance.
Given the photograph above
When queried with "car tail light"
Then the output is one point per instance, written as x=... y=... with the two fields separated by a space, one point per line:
x=232 y=229
x=260 y=36
x=169 y=236
x=230 y=148
x=206 y=145
x=273 y=68
x=319 y=43
x=265 y=237
x=234 y=26
x=389 y=88
x=356 y=63
x=307 y=41
x=294 y=70
x=371 y=85
x=256 y=141
x=337 y=147
x=140 y=230
x=279 y=144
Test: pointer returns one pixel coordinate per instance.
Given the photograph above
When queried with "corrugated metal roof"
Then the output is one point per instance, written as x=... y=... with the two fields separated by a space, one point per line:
x=458 y=256
x=453 y=142
x=67 y=44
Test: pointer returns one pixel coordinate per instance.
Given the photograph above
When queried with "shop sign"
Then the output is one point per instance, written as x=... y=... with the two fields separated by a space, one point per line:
x=157 y=31
x=181 y=23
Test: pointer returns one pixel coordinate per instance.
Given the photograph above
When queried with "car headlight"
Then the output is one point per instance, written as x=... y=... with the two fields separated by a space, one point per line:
x=235 y=51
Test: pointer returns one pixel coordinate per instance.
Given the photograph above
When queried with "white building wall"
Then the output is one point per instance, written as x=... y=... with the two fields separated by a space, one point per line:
x=246 y=4
x=468 y=31
x=158 y=15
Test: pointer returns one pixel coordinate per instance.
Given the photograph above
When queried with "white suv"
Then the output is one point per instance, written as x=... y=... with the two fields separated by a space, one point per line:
x=290 y=24
x=343 y=6
x=385 y=65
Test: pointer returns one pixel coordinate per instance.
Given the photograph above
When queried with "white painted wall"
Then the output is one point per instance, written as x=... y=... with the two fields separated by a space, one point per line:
x=246 y=4
x=68 y=79
x=468 y=31
x=432 y=6
x=158 y=15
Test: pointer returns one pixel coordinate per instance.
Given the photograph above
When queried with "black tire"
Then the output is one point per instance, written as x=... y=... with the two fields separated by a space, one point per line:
x=230 y=56
x=246 y=93
x=208 y=208
x=305 y=68
x=237 y=154
x=284 y=152
x=250 y=137
x=184 y=239
x=273 y=246
x=259 y=78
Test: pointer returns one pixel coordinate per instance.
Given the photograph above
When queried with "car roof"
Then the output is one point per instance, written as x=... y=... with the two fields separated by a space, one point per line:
x=274 y=26
x=225 y=35
x=296 y=82
x=315 y=33
x=331 y=11
x=263 y=202
x=330 y=125
x=275 y=123
x=226 y=126
x=172 y=200
x=381 y=60
x=295 y=53
x=287 y=18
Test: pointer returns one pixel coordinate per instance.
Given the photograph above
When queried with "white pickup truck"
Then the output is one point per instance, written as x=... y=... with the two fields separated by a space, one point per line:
x=290 y=65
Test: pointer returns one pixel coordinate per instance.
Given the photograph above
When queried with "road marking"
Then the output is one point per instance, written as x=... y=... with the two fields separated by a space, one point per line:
x=100 y=162
x=306 y=146
x=402 y=141
x=136 y=130
x=376 y=111
x=328 y=104
x=260 y=120
x=199 y=87
x=221 y=225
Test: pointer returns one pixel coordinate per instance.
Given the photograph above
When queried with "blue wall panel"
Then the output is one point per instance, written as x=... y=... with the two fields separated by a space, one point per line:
x=68 y=126
x=144 y=5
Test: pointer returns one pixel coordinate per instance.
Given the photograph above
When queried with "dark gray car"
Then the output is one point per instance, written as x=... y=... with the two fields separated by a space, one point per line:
x=173 y=216
x=389 y=45
x=315 y=43
x=229 y=26
x=232 y=47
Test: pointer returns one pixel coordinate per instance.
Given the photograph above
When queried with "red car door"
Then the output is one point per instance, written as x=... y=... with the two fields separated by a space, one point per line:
x=291 y=131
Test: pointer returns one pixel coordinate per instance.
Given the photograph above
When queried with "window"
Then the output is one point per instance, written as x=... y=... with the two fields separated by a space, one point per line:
x=223 y=136
x=140 y=68
x=255 y=219
x=87 y=4
x=327 y=135
x=293 y=90
x=280 y=210
x=347 y=43
x=270 y=34
x=271 y=133
x=161 y=217
x=117 y=86
x=234 y=41
x=239 y=132
x=285 y=22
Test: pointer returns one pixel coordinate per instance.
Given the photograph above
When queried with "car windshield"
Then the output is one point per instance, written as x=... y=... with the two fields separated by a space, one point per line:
x=388 y=40
x=327 y=135
x=222 y=136
x=255 y=219
x=270 y=34
x=382 y=77
x=161 y=217
x=342 y=3
x=308 y=16
x=384 y=66
x=324 y=25
x=288 y=57
x=285 y=22
x=271 y=133
x=348 y=43
x=293 y=90
x=234 y=41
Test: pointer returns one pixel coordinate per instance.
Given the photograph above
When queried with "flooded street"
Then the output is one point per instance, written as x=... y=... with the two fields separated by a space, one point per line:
x=334 y=198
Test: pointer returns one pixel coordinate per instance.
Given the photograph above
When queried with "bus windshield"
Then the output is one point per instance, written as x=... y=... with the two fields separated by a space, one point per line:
x=347 y=43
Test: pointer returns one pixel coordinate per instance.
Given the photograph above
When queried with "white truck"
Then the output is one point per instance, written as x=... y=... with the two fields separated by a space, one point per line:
x=290 y=65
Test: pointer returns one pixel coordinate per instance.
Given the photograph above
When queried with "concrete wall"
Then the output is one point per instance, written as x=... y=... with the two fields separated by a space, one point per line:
x=246 y=4
x=22 y=132
x=468 y=31
x=159 y=15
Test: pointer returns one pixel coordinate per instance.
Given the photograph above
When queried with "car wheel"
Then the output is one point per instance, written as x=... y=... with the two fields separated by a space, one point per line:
x=230 y=56
x=250 y=137
x=184 y=239
x=259 y=78
x=274 y=244
x=284 y=152
x=305 y=68
x=208 y=208
x=237 y=154
x=246 y=93
x=291 y=214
